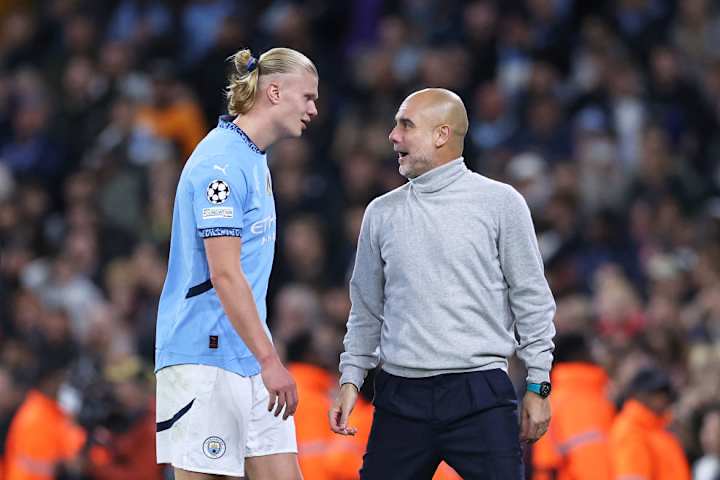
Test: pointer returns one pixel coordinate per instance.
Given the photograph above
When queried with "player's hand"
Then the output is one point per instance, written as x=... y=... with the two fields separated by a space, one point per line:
x=280 y=386
x=341 y=409
x=535 y=417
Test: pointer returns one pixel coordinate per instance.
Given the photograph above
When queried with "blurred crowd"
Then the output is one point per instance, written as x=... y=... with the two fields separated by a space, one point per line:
x=605 y=115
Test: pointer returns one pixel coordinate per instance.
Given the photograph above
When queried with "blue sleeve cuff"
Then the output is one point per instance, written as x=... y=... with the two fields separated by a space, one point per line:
x=220 y=232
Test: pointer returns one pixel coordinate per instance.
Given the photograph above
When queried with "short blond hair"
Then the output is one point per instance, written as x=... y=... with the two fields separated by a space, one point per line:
x=242 y=88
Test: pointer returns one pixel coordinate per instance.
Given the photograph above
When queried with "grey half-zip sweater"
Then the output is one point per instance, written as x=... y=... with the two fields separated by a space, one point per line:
x=447 y=269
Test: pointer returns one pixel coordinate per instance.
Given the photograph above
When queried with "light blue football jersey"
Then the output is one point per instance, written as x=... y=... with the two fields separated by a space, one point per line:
x=225 y=189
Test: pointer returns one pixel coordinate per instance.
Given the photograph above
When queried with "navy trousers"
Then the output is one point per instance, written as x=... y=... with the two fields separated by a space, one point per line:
x=469 y=420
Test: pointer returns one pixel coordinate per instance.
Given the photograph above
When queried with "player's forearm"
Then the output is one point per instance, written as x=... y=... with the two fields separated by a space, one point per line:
x=237 y=300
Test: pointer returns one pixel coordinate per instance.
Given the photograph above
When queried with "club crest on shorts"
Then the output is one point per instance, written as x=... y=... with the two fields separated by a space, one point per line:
x=218 y=191
x=214 y=447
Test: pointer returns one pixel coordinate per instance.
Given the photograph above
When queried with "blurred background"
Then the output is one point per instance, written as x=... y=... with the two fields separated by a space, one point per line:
x=604 y=115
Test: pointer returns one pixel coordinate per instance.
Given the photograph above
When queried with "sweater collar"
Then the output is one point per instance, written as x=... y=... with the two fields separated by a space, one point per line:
x=439 y=177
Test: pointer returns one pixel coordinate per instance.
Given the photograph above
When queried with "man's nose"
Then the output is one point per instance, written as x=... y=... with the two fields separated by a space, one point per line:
x=392 y=136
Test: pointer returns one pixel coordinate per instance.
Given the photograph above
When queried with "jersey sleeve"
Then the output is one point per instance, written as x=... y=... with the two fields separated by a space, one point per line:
x=218 y=198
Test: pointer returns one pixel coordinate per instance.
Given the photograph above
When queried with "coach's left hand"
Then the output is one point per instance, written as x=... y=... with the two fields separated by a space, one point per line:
x=535 y=417
x=342 y=408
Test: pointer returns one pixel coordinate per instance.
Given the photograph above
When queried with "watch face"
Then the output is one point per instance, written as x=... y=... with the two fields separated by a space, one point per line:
x=545 y=389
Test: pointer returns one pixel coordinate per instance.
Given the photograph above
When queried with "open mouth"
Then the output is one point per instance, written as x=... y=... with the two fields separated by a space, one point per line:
x=401 y=154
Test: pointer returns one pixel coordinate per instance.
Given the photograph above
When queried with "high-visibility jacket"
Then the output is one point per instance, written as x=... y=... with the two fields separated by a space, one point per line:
x=40 y=436
x=444 y=472
x=344 y=456
x=322 y=454
x=130 y=454
x=181 y=123
x=313 y=433
x=641 y=447
x=576 y=447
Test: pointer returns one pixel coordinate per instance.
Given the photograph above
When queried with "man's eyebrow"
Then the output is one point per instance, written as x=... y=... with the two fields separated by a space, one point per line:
x=404 y=120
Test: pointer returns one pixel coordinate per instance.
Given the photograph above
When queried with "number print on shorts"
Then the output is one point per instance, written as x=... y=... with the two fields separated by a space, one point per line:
x=214 y=447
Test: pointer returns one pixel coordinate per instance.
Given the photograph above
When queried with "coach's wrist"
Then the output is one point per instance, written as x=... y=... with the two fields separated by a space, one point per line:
x=351 y=386
x=352 y=374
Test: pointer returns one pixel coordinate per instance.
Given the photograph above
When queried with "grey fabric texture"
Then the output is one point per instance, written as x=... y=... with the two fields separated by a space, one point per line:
x=447 y=277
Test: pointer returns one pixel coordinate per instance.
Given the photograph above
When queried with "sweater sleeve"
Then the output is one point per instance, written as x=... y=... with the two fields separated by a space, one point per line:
x=531 y=301
x=362 y=339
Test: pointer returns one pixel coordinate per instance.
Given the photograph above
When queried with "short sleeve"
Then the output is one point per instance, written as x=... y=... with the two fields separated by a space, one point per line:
x=218 y=200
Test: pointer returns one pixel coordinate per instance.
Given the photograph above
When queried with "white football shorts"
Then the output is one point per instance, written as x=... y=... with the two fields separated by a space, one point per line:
x=209 y=420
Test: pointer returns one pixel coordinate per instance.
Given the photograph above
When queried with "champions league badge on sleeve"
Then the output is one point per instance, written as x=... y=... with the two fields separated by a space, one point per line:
x=218 y=191
x=214 y=447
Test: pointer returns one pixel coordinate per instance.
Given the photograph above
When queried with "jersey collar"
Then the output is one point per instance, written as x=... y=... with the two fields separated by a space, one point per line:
x=226 y=122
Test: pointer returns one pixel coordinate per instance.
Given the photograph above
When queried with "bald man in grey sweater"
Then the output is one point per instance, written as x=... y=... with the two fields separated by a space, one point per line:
x=447 y=272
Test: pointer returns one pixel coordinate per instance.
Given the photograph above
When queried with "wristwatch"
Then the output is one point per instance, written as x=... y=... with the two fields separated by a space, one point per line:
x=543 y=389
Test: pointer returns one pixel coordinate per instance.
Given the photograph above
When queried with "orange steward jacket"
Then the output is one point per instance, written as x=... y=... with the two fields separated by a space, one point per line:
x=40 y=436
x=642 y=448
x=576 y=446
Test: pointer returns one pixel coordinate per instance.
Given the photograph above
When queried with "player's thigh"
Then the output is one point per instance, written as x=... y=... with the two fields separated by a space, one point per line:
x=203 y=417
x=278 y=466
x=271 y=449
x=185 y=475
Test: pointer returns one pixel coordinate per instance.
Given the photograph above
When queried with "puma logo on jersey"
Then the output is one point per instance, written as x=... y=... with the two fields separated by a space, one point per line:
x=222 y=169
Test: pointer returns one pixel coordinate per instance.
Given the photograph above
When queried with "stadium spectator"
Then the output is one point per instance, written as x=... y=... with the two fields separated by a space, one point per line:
x=130 y=427
x=42 y=435
x=640 y=445
x=576 y=446
x=707 y=467
x=172 y=113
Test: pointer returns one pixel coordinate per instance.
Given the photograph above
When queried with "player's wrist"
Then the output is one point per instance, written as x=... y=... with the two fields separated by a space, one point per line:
x=269 y=359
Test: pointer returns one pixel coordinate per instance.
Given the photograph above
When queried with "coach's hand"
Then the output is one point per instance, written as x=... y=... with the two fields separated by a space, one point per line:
x=341 y=410
x=535 y=417
x=280 y=386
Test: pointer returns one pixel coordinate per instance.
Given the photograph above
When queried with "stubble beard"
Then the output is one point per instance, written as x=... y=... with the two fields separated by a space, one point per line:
x=415 y=167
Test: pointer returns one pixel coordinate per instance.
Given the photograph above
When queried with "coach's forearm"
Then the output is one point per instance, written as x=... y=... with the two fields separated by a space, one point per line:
x=367 y=297
x=237 y=299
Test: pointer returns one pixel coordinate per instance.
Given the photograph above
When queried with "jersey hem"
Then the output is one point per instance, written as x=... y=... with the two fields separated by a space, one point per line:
x=243 y=366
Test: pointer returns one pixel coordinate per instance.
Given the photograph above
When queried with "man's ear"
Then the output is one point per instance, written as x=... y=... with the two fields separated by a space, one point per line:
x=442 y=135
x=273 y=92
